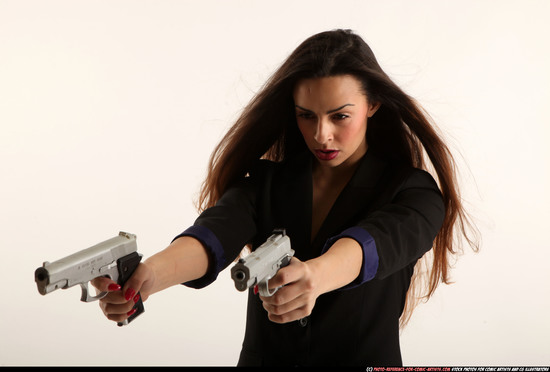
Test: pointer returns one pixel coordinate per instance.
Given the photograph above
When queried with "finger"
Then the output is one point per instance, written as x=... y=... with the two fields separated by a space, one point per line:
x=133 y=286
x=104 y=284
x=119 y=317
x=117 y=308
x=286 y=275
x=285 y=299
x=118 y=304
x=290 y=316
x=116 y=297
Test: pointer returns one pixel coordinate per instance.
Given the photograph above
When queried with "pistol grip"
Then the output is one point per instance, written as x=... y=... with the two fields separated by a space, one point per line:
x=126 y=267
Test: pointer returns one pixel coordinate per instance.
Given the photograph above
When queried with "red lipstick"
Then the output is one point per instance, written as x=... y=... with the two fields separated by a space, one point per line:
x=326 y=154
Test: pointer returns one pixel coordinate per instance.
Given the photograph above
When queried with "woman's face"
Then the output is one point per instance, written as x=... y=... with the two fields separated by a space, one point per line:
x=332 y=114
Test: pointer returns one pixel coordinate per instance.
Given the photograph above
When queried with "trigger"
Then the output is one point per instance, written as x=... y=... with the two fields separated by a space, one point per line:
x=85 y=296
x=264 y=289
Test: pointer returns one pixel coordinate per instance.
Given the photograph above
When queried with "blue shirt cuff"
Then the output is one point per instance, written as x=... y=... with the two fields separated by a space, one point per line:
x=215 y=253
x=369 y=266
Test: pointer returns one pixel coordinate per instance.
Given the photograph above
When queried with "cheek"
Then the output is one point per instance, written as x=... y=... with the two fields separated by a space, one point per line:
x=355 y=132
x=305 y=130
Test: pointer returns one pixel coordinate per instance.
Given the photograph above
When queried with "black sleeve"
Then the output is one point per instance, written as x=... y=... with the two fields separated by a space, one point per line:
x=232 y=219
x=404 y=229
x=226 y=228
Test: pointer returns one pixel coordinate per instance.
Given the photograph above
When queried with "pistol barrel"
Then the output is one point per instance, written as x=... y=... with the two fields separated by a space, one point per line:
x=262 y=264
x=85 y=265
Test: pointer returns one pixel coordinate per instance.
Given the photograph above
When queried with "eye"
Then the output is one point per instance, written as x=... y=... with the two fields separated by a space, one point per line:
x=305 y=115
x=339 y=117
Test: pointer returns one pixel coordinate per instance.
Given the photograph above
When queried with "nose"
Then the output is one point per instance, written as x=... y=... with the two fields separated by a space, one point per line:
x=323 y=132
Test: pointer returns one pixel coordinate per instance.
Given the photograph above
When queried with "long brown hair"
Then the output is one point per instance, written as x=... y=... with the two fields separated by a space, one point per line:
x=400 y=130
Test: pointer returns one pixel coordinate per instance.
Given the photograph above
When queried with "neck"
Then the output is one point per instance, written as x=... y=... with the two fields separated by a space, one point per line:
x=329 y=176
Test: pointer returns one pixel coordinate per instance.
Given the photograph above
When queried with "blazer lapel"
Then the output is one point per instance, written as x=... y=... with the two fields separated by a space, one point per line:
x=292 y=203
x=355 y=198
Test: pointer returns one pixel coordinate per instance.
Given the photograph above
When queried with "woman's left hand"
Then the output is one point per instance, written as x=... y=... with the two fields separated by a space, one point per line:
x=304 y=282
x=297 y=295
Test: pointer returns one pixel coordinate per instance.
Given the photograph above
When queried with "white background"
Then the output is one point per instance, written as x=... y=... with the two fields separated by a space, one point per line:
x=110 y=109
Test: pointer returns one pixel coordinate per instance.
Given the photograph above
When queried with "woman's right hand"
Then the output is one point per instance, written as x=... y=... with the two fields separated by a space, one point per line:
x=185 y=259
x=118 y=304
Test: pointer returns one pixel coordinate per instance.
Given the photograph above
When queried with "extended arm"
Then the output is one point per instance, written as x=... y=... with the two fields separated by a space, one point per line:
x=383 y=242
x=305 y=281
x=183 y=260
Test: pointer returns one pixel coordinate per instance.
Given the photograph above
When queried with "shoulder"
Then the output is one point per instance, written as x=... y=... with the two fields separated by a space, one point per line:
x=383 y=174
x=411 y=177
x=415 y=186
x=295 y=165
x=418 y=190
x=394 y=182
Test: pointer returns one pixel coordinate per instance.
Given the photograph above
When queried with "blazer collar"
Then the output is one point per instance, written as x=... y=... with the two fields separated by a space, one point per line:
x=353 y=201
x=366 y=175
x=368 y=172
x=355 y=198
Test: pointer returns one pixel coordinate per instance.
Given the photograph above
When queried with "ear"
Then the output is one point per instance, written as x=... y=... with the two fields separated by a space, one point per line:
x=373 y=107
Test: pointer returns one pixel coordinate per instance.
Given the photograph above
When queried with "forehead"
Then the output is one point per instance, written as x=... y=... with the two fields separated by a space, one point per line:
x=328 y=90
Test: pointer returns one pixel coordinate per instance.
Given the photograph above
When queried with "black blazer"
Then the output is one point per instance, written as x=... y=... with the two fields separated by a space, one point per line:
x=400 y=207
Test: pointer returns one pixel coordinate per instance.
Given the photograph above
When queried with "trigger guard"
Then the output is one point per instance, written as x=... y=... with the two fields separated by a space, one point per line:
x=85 y=296
x=264 y=291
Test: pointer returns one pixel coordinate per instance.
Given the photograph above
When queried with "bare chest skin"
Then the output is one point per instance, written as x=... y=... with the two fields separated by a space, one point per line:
x=325 y=193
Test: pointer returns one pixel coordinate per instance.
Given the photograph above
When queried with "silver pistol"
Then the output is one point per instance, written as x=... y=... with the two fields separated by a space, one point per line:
x=116 y=258
x=262 y=264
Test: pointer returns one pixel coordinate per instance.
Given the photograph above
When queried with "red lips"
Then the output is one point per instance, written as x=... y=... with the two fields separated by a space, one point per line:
x=326 y=154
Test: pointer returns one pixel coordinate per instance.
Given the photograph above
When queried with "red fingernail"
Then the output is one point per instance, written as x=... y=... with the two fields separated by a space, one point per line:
x=113 y=287
x=131 y=312
x=255 y=289
x=129 y=294
x=136 y=298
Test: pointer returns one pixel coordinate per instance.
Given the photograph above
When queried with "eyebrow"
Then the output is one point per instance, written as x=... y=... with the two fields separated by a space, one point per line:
x=329 y=111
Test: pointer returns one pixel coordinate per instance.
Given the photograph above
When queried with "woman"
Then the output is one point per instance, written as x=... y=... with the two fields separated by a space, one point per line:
x=333 y=151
